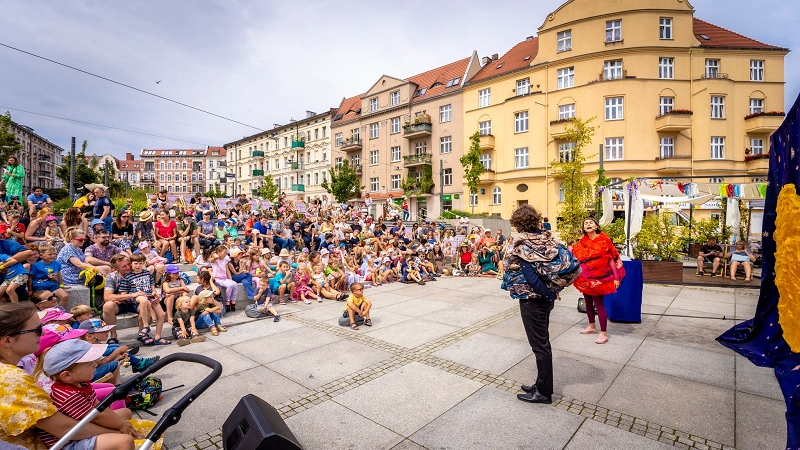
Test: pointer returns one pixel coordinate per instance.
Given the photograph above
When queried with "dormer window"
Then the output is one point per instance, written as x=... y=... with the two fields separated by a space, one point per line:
x=373 y=104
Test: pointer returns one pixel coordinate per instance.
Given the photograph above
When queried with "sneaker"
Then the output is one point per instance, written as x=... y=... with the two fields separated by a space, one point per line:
x=713 y=275
x=319 y=299
x=277 y=319
x=197 y=338
x=700 y=273
x=144 y=363
x=307 y=301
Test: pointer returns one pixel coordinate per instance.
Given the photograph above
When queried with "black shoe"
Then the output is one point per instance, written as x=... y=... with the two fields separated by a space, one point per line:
x=535 y=398
x=529 y=389
x=134 y=349
x=713 y=275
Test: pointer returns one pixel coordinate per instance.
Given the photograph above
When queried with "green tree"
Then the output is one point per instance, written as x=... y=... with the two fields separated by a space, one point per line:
x=344 y=184
x=269 y=190
x=214 y=193
x=576 y=185
x=473 y=167
x=84 y=174
x=8 y=141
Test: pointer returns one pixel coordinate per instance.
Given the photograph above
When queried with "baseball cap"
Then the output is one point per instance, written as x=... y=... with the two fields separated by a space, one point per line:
x=55 y=314
x=205 y=293
x=488 y=230
x=95 y=326
x=97 y=222
x=220 y=224
x=233 y=220
x=324 y=252
x=256 y=213
x=72 y=351
x=143 y=245
x=50 y=338
x=173 y=268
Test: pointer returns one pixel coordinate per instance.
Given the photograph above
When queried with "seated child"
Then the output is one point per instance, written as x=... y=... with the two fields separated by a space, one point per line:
x=71 y=365
x=358 y=304
x=46 y=276
x=208 y=313
x=282 y=282
x=183 y=320
x=412 y=273
x=140 y=280
x=97 y=333
x=322 y=286
x=14 y=275
x=473 y=267
x=173 y=289
x=81 y=313
x=263 y=298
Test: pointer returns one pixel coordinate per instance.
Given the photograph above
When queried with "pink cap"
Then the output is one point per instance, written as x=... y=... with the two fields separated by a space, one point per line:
x=55 y=314
x=54 y=333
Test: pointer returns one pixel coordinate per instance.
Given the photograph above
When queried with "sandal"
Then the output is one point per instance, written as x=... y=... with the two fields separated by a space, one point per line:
x=354 y=326
x=146 y=340
x=144 y=331
x=368 y=322
x=162 y=341
x=221 y=329
x=214 y=331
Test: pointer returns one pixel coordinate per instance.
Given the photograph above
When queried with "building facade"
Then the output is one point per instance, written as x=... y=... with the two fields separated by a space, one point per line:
x=39 y=156
x=130 y=171
x=216 y=165
x=179 y=172
x=404 y=137
x=297 y=156
x=670 y=96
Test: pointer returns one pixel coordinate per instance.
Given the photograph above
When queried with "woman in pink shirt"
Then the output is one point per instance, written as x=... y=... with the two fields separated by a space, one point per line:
x=166 y=234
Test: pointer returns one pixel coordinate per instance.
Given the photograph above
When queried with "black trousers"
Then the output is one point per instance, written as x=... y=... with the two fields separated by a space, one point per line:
x=536 y=319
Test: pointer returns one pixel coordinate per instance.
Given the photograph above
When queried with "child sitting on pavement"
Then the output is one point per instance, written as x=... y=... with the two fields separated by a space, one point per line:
x=71 y=365
x=357 y=303
x=282 y=282
x=184 y=320
x=97 y=333
x=263 y=298
x=173 y=289
x=208 y=313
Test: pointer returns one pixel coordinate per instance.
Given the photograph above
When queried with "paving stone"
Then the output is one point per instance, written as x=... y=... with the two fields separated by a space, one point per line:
x=700 y=365
x=486 y=352
x=412 y=333
x=760 y=422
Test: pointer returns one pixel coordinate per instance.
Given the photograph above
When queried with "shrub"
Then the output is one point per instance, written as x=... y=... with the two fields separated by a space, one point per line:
x=660 y=239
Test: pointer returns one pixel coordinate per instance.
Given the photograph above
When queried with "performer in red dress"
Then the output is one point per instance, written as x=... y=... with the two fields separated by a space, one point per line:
x=601 y=273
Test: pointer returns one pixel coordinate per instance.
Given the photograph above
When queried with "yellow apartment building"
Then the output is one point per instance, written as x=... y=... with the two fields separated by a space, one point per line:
x=671 y=96
x=403 y=136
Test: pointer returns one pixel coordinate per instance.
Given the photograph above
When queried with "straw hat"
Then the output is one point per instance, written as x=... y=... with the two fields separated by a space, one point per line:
x=284 y=253
x=145 y=216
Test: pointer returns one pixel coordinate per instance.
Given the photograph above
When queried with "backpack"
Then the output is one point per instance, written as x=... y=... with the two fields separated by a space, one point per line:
x=145 y=394
x=563 y=269
x=254 y=312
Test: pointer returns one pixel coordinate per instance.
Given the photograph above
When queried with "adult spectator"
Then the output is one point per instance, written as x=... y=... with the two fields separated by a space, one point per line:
x=86 y=204
x=37 y=227
x=166 y=234
x=187 y=235
x=99 y=254
x=463 y=223
x=121 y=303
x=406 y=211
x=122 y=230
x=262 y=232
x=206 y=231
x=37 y=201
x=709 y=252
x=204 y=207
x=486 y=240
x=103 y=208
x=13 y=174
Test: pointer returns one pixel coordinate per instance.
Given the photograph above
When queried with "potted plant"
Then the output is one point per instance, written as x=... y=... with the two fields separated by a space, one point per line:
x=658 y=246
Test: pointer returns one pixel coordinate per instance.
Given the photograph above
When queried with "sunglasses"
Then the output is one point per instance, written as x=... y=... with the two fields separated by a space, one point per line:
x=80 y=239
x=37 y=330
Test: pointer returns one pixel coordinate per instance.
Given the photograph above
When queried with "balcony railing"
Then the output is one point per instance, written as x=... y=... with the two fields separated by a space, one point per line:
x=258 y=173
x=359 y=169
x=714 y=74
x=417 y=160
x=258 y=153
x=417 y=129
x=295 y=165
x=298 y=143
x=673 y=162
x=350 y=145
x=299 y=187
x=488 y=176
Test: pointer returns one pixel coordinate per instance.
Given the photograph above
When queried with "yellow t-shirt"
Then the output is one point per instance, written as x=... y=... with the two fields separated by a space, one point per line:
x=80 y=202
x=22 y=404
x=357 y=301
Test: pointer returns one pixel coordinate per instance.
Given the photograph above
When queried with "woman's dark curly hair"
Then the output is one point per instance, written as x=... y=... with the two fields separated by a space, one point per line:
x=526 y=219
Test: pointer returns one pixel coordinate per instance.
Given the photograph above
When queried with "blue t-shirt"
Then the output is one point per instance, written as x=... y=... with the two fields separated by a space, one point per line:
x=100 y=205
x=33 y=198
x=14 y=269
x=261 y=228
x=11 y=247
x=40 y=273
x=275 y=282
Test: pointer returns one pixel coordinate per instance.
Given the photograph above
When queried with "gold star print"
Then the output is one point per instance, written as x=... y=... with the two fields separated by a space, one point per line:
x=766 y=234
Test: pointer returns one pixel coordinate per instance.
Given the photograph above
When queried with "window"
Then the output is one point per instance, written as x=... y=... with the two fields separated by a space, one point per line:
x=614 y=108
x=324 y=133
x=162 y=177
x=612 y=70
x=355 y=133
x=394 y=98
x=337 y=162
x=712 y=68
x=395 y=124
x=716 y=180
x=565 y=150
x=420 y=147
x=356 y=161
x=162 y=166
x=665 y=105
x=756 y=105
x=194 y=177
x=453 y=82
x=169 y=177
x=184 y=166
x=561 y=195
x=324 y=156
x=566 y=111
x=373 y=104
x=520 y=158
x=496 y=196
x=564 y=40
x=613 y=30
x=486 y=160
x=316 y=134
x=566 y=77
x=756 y=70
x=373 y=157
x=666 y=68
x=521 y=122
x=614 y=149
x=373 y=130
x=473 y=199
x=485 y=128
x=667 y=147
x=447 y=177
x=524 y=86
x=717 y=147
x=484 y=97
x=717 y=107
x=395 y=182
x=445 y=144
x=756 y=146
x=169 y=166
x=395 y=153
x=444 y=113
x=665 y=28
x=374 y=184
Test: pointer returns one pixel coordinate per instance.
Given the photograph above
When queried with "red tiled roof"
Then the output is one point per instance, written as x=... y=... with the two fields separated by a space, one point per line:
x=172 y=152
x=221 y=150
x=718 y=37
x=513 y=60
x=348 y=108
x=439 y=75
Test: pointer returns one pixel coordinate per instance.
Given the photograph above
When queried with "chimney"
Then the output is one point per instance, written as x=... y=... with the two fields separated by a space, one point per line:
x=529 y=38
x=128 y=156
x=486 y=60
x=310 y=114
x=494 y=57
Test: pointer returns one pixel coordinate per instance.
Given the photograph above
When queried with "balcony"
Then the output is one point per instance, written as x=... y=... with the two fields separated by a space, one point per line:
x=45 y=174
x=256 y=192
x=359 y=169
x=674 y=121
x=420 y=159
x=299 y=187
x=763 y=123
x=713 y=74
x=488 y=176
x=417 y=130
x=298 y=143
x=258 y=173
x=558 y=128
x=351 y=145
x=221 y=164
x=487 y=142
x=757 y=164
x=258 y=154
x=673 y=163
x=294 y=165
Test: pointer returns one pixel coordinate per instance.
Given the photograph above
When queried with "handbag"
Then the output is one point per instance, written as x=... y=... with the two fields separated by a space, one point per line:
x=581 y=305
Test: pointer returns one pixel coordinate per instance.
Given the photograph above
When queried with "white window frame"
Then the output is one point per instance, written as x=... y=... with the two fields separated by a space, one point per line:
x=665 y=105
x=756 y=70
x=756 y=105
x=447 y=177
x=395 y=124
x=396 y=179
x=614 y=30
x=564 y=41
x=566 y=111
x=666 y=68
x=615 y=108
x=615 y=149
x=486 y=160
x=521 y=122
x=374 y=156
x=337 y=162
x=717 y=147
x=565 y=151
x=420 y=148
x=565 y=77
x=339 y=139
x=717 y=107
x=485 y=128
x=715 y=180
x=373 y=104
x=396 y=152
x=473 y=199
x=756 y=146
x=484 y=97
x=497 y=195
x=665 y=28
x=521 y=158
x=373 y=130
x=374 y=184
x=612 y=70
x=524 y=86
x=445 y=113
x=666 y=147
x=712 y=67
x=446 y=144
x=394 y=98
x=355 y=133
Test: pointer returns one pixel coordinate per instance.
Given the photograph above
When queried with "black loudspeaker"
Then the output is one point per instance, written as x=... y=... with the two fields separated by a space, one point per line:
x=255 y=425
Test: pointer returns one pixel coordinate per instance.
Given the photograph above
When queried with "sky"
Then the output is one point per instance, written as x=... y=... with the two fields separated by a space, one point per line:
x=263 y=62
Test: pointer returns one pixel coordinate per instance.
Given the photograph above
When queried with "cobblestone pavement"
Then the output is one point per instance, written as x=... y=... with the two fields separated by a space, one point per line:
x=661 y=383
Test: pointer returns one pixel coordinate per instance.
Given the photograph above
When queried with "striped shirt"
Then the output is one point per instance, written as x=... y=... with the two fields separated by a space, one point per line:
x=134 y=282
x=72 y=401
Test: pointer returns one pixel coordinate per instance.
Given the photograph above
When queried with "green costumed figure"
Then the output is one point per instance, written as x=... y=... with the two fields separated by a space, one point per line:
x=13 y=175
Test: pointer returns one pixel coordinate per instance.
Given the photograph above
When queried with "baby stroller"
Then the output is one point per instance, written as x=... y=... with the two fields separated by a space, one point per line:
x=171 y=416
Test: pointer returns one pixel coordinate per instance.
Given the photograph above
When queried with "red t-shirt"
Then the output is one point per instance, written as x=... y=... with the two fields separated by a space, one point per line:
x=72 y=401
x=165 y=231
x=466 y=257
x=20 y=228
